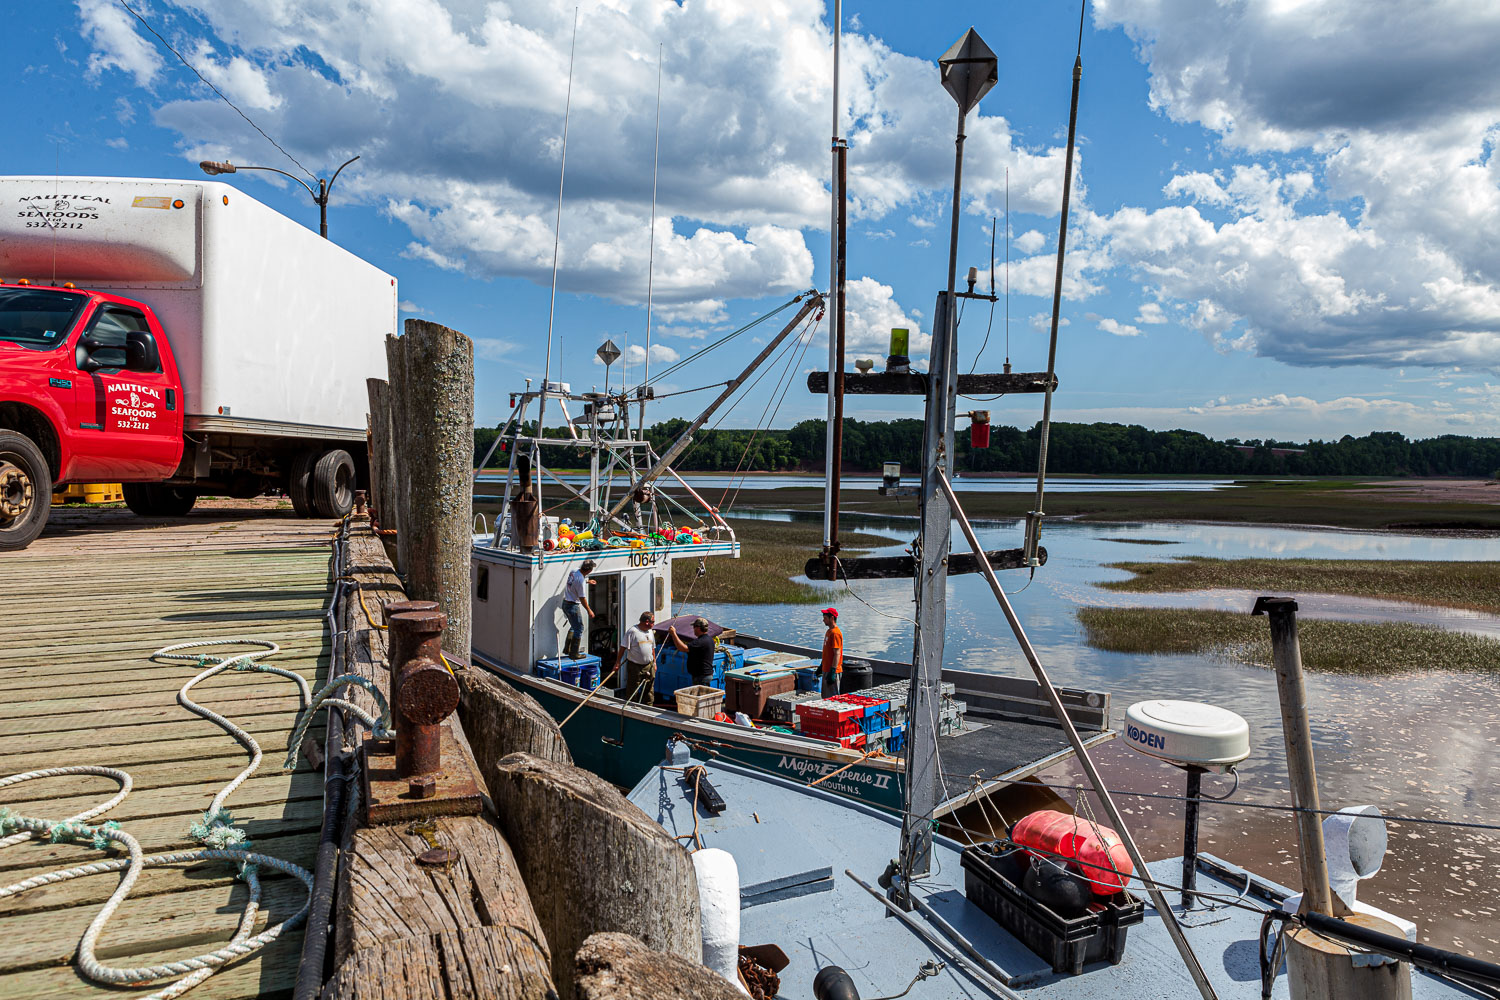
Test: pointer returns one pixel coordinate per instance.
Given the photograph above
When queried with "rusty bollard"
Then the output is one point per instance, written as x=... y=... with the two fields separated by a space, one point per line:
x=400 y=650
x=359 y=503
x=423 y=692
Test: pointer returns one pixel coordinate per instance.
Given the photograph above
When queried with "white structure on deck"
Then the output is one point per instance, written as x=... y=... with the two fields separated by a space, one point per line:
x=518 y=615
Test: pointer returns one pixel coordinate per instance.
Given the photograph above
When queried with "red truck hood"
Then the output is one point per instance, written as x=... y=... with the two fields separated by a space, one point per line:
x=10 y=351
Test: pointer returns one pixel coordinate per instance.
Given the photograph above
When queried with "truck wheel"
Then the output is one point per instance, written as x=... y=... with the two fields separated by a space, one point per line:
x=25 y=491
x=333 y=484
x=299 y=485
x=156 y=500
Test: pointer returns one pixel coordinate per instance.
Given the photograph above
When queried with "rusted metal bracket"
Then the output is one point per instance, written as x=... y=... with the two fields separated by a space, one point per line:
x=388 y=799
x=422 y=772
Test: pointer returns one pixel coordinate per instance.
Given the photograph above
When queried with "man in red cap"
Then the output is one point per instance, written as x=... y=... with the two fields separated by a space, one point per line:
x=833 y=652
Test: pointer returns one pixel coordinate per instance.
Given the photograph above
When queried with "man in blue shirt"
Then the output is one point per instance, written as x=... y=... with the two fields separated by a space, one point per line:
x=575 y=603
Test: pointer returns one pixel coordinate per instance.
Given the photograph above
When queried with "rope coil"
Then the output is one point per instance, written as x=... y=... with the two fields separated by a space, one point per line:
x=215 y=830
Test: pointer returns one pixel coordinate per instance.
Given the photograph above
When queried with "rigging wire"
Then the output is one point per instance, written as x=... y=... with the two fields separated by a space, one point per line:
x=786 y=386
x=1269 y=807
x=216 y=90
x=788 y=346
x=723 y=340
x=794 y=359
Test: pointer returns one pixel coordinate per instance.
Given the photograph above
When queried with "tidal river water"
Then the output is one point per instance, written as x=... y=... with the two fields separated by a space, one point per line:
x=1423 y=744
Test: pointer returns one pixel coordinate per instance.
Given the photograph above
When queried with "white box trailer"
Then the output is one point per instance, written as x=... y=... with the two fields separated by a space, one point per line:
x=275 y=328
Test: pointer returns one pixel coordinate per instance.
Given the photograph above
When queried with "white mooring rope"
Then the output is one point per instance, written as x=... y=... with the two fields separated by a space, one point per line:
x=222 y=840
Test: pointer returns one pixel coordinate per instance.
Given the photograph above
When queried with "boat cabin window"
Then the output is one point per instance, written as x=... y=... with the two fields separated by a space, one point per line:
x=482 y=584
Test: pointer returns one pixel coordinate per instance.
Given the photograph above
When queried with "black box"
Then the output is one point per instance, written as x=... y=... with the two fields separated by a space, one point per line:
x=992 y=882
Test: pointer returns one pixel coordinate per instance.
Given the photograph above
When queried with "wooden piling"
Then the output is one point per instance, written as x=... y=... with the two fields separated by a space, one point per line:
x=395 y=364
x=500 y=720
x=437 y=457
x=619 y=967
x=382 y=456
x=594 y=862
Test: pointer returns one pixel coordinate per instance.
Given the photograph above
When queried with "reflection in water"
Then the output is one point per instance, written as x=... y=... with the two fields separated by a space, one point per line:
x=1415 y=744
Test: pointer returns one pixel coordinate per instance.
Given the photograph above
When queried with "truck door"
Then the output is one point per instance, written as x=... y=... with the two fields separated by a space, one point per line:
x=129 y=424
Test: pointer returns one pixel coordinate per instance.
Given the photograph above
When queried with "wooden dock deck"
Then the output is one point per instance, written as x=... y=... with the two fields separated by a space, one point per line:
x=85 y=606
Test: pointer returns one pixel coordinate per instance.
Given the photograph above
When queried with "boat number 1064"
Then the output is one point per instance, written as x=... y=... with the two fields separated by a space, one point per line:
x=644 y=558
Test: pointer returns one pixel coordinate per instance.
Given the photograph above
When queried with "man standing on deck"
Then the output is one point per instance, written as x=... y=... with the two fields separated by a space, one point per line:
x=833 y=652
x=699 y=650
x=575 y=603
x=636 y=660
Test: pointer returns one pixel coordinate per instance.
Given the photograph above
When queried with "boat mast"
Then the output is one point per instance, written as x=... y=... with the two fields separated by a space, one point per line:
x=969 y=69
x=650 y=256
x=834 y=432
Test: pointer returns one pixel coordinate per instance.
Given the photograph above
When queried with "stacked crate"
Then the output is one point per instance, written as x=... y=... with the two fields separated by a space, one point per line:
x=835 y=721
x=950 y=720
x=671 y=668
x=881 y=725
x=781 y=708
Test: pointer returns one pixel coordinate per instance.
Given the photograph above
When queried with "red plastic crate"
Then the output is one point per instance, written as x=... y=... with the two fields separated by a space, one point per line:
x=870 y=704
x=829 y=711
x=829 y=731
x=853 y=739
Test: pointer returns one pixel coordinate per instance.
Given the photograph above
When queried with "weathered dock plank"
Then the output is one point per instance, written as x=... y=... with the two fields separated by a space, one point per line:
x=87 y=604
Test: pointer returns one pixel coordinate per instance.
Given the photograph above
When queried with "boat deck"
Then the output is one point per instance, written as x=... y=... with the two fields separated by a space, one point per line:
x=86 y=605
x=793 y=844
x=1000 y=751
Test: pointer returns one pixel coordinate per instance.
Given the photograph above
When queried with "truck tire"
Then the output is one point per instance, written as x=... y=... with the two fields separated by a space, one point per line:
x=299 y=484
x=333 y=483
x=156 y=500
x=25 y=491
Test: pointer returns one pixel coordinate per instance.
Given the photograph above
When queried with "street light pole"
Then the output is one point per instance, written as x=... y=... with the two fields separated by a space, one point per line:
x=319 y=197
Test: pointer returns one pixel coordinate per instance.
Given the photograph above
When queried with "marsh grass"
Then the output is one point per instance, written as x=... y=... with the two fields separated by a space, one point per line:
x=1141 y=541
x=1331 y=646
x=1471 y=585
x=771 y=553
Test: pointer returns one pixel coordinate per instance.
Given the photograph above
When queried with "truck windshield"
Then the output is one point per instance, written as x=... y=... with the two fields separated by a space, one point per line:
x=36 y=317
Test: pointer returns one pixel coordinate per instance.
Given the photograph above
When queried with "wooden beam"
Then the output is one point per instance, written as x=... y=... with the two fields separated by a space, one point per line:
x=915 y=384
x=450 y=926
x=904 y=567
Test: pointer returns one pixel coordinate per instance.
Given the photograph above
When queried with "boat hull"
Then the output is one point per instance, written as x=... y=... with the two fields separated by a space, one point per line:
x=594 y=730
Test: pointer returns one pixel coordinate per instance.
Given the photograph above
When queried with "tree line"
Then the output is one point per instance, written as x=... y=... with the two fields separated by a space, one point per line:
x=1097 y=448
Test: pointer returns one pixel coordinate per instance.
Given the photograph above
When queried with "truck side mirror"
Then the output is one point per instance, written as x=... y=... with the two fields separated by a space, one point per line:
x=141 y=353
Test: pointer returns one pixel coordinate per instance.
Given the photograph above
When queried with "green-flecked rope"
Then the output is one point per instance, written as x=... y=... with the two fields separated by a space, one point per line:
x=195 y=969
x=87 y=814
x=215 y=830
x=380 y=727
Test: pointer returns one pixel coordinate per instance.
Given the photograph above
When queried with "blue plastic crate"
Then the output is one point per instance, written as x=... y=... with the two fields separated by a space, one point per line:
x=809 y=679
x=554 y=667
x=750 y=654
x=670 y=677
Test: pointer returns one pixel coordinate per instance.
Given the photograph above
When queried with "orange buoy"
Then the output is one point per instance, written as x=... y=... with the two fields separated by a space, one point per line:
x=1098 y=850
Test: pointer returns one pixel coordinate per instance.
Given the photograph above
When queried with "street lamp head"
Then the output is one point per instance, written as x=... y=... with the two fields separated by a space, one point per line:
x=214 y=167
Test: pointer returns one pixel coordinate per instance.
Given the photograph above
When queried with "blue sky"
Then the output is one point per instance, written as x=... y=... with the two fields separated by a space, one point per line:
x=1285 y=213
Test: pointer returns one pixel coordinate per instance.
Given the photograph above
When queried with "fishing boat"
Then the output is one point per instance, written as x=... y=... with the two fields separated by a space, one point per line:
x=634 y=529
x=837 y=901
